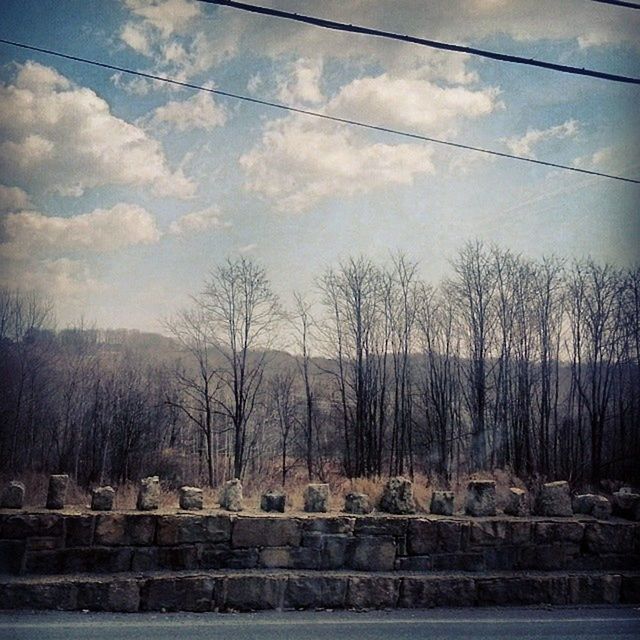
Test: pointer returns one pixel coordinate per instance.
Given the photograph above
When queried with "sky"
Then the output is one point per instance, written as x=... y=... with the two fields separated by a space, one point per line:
x=118 y=194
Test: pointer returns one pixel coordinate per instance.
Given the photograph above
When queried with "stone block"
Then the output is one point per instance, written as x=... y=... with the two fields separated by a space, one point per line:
x=315 y=592
x=381 y=526
x=316 y=498
x=329 y=525
x=372 y=553
x=114 y=529
x=11 y=555
x=148 y=494
x=186 y=528
x=273 y=501
x=144 y=559
x=501 y=558
x=593 y=505
x=426 y=592
x=554 y=499
x=23 y=525
x=422 y=537
x=481 y=498
x=231 y=495
x=223 y=557
x=178 y=558
x=12 y=496
x=335 y=551
x=517 y=503
x=442 y=503
x=372 y=592
x=453 y=535
x=626 y=505
x=95 y=560
x=359 y=503
x=523 y=591
x=547 y=557
x=397 y=496
x=102 y=498
x=602 y=538
x=266 y=532
x=519 y=532
x=114 y=595
x=57 y=492
x=595 y=589
x=252 y=593
x=458 y=562
x=189 y=593
x=488 y=532
x=190 y=498
x=548 y=532
x=630 y=589
x=414 y=563
x=79 y=530
x=60 y=596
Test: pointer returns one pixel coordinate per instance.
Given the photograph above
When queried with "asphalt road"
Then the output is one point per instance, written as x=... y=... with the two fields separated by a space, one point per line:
x=593 y=623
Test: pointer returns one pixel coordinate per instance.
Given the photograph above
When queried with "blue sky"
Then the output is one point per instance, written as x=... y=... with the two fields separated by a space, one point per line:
x=118 y=195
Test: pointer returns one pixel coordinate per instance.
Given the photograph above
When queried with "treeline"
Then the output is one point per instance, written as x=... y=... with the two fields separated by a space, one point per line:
x=508 y=363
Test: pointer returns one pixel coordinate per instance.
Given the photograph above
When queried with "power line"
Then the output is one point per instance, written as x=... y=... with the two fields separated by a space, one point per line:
x=315 y=114
x=435 y=44
x=619 y=3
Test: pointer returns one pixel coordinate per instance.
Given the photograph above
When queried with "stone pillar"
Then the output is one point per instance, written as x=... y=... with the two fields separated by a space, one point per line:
x=397 y=496
x=149 y=494
x=481 y=498
x=12 y=495
x=231 y=495
x=593 y=505
x=518 y=503
x=57 y=491
x=190 y=498
x=102 y=499
x=357 y=503
x=442 y=503
x=316 y=498
x=554 y=499
x=626 y=504
x=273 y=501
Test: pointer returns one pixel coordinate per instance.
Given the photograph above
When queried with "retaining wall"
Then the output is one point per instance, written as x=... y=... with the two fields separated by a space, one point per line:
x=203 y=561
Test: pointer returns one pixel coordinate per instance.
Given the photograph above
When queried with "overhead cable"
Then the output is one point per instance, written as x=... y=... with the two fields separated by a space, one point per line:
x=315 y=114
x=435 y=44
x=619 y=3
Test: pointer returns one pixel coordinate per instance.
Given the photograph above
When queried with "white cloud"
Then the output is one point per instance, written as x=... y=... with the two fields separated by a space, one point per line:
x=302 y=82
x=198 y=112
x=410 y=103
x=30 y=233
x=13 y=198
x=301 y=162
x=247 y=248
x=198 y=221
x=65 y=138
x=523 y=145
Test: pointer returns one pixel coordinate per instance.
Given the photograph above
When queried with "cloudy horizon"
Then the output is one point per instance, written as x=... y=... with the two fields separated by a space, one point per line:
x=119 y=194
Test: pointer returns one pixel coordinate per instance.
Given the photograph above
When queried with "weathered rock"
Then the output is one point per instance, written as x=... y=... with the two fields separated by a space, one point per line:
x=266 y=532
x=481 y=498
x=273 y=501
x=626 y=504
x=316 y=498
x=190 y=498
x=12 y=495
x=148 y=494
x=231 y=495
x=355 y=502
x=442 y=503
x=625 y=490
x=593 y=505
x=517 y=503
x=372 y=553
x=554 y=499
x=397 y=496
x=102 y=499
x=57 y=491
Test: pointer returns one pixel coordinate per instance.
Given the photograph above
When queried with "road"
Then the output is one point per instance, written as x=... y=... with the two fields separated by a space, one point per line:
x=593 y=623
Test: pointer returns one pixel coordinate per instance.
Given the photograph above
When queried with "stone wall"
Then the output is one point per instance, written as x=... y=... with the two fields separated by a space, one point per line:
x=51 y=543
x=206 y=561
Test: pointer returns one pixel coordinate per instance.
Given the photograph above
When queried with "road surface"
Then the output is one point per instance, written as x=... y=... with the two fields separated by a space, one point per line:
x=592 y=623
